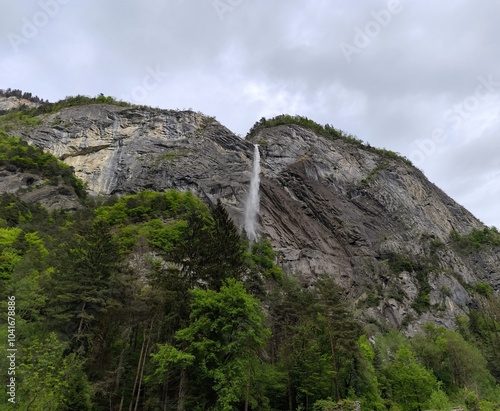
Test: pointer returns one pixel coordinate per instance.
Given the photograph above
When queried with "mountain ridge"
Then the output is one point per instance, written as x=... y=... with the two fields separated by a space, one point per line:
x=365 y=216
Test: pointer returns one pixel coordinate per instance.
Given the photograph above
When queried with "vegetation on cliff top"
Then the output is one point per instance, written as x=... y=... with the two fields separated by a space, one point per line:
x=26 y=117
x=476 y=239
x=21 y=95
x=326 y=131
x=30 y=117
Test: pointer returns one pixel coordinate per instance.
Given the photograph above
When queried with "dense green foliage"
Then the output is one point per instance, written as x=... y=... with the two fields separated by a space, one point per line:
x=17 y=154
x=455 y=362
x=154 y=301
x=482 y=329
x=476 y=239
x=23 y=117
x=326 y=131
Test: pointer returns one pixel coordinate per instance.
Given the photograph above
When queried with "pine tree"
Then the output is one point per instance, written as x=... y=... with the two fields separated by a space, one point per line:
x=210 y=249
x=85 y=285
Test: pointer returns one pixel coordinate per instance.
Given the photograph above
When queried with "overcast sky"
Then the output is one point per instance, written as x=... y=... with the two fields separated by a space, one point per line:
x=420 y=78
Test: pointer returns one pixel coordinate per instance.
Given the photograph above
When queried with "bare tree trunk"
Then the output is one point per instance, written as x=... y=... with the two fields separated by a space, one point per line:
x=182 y=391
x=120 y=361
x=137 y=371
x=165 y=395
x=335 y=367
x=290 y=397
x=247 y=393
x=143 y=364
x=80 y=326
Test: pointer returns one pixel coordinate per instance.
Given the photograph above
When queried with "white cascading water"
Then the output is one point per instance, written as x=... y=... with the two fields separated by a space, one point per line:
x=252 y=203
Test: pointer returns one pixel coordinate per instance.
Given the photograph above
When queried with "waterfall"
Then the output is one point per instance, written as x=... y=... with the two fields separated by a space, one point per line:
x=252 y=203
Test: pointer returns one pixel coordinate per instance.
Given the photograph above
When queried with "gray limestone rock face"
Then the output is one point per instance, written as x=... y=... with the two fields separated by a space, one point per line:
x=34 y=189
x=327 y=205
x=13 y=103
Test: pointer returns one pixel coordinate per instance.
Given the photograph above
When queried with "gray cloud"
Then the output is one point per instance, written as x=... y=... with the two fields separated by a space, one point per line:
x=259 y=58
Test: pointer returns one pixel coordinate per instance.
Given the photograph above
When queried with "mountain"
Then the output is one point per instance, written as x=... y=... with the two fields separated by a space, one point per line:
x=403 y=250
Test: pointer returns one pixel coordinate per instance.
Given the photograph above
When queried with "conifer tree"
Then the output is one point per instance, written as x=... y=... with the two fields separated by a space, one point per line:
x=85 y=285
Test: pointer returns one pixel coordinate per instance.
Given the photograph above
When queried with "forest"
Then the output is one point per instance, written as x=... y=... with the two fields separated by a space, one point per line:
x=155 y=301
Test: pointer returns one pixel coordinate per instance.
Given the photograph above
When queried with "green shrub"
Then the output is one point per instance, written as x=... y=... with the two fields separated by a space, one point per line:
x=263 y=257
x=484 y=289
x=399 y=263
x=18 y=153
x=18 y=118
x=147 y=205
x=373 y=172
x=8 y=236
x=476 y=239
x=329 y=405
x=439 y=401
x=471 y=400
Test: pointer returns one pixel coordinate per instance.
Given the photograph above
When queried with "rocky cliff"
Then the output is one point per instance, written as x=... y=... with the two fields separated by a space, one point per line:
x=13 y=103
x=371 y=220
x=31 y=188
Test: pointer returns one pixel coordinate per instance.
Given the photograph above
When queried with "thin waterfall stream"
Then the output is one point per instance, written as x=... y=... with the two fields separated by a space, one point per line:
x=252 y=203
